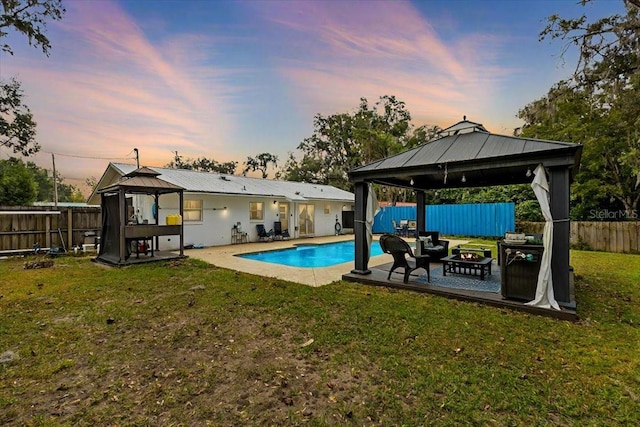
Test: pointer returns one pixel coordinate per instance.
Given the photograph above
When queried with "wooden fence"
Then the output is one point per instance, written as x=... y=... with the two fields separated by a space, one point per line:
x=623 y=236
x=22 y=227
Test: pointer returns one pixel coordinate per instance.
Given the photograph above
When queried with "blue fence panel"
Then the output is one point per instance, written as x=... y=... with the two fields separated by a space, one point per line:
x=383 y=221
x=479 y=219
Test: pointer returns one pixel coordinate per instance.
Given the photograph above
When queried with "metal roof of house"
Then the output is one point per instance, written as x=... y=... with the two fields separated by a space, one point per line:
x=468 y=148
x=214 y=183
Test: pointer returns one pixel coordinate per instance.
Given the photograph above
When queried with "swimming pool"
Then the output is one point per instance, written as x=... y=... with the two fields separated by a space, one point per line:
x=311 y=256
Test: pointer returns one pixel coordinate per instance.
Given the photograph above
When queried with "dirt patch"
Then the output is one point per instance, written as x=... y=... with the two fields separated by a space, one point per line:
x=39 y=263
x=244 y=371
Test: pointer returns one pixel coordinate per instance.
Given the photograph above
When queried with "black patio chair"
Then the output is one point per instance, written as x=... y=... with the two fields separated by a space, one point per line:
x=263 y=234
x=399 y=249
x=277 y=231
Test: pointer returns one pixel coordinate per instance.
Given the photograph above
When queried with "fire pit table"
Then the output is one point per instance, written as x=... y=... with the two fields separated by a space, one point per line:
x=468 y=264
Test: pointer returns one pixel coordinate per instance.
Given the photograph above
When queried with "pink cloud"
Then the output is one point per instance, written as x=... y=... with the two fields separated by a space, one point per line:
x=106 y=89
x=346 y=50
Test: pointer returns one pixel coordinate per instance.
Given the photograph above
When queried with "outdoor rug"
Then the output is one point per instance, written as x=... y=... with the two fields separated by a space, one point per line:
x=456 y=281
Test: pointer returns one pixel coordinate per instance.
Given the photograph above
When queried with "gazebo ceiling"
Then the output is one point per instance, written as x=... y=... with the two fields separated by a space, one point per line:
x=467 y=150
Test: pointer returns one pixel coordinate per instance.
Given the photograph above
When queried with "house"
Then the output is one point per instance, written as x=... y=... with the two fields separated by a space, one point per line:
x=215 y=205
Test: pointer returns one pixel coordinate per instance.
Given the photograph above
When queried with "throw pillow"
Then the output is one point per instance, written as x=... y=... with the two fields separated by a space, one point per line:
x=429 y=243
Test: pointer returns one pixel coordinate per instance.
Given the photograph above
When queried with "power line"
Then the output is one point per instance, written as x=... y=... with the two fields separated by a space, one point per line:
x=89 y=157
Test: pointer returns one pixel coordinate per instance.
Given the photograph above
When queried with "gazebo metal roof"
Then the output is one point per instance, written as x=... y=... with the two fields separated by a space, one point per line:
x=468 y=149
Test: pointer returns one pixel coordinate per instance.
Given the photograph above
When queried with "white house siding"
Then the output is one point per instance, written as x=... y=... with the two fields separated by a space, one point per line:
x=235 y=192
x=215 y=228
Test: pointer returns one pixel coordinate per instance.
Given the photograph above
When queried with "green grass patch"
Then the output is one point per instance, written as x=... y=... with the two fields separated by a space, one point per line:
x=187 y=343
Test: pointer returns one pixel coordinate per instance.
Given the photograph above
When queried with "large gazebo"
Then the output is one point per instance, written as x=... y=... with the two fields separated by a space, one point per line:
x=467 y=155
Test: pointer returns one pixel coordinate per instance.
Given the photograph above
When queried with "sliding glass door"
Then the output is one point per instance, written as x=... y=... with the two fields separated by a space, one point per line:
x=305 y=219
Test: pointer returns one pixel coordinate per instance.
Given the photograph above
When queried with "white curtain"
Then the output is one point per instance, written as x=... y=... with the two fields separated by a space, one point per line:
x=372 y=210
x=544 y=289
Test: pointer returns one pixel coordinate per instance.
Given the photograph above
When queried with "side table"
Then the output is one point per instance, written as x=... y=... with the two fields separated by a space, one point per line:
x=238 y=236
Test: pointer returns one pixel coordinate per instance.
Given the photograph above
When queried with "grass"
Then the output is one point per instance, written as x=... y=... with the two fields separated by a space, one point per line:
x=186 y=343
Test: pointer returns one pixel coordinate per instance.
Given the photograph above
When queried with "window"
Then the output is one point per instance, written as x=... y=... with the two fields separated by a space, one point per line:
x=192 y=210
x=327 y=209
x=256 y=211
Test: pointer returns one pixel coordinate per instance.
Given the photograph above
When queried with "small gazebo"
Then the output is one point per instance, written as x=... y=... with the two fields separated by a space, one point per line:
x=119 y=231
x=467 y=155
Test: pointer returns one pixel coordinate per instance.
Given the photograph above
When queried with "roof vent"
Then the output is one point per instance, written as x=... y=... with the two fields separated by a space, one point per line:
x=224 y=178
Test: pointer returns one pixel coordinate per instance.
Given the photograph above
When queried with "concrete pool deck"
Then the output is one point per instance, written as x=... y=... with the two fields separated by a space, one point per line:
x=224 y=256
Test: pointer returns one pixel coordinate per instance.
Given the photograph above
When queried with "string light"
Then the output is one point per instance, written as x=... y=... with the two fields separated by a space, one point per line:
x=464 y=179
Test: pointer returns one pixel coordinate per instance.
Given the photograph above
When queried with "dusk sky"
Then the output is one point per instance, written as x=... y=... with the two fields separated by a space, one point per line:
x=231 y=79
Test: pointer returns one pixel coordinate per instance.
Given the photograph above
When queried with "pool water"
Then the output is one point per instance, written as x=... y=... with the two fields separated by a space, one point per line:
x=310 y=256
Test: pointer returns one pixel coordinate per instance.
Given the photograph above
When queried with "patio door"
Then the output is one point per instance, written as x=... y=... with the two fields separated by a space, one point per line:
x=306 y=215
x=283 y=216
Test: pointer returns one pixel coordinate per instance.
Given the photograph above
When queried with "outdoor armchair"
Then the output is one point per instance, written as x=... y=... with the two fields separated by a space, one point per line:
x=400 y=250
x=436 y=248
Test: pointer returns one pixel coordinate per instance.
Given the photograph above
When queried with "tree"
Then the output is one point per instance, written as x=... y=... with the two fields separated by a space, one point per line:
x=341 y=142
x=91 y=182
x=608 y=47
x=260 y=163
x=202 y=164
x=17 y=184
x=69 y=193
x=30 y=19
x=17 y=127
x=598 y=107
x=45 y=183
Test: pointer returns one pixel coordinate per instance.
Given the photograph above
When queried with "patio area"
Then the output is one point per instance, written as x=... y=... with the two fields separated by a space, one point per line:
x=461 y=287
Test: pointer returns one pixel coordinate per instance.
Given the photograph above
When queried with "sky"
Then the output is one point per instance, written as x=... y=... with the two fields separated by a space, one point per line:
x=230 y=79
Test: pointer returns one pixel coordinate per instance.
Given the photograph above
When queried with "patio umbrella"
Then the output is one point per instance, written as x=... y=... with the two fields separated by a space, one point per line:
x=544 y=288
x=372 y=210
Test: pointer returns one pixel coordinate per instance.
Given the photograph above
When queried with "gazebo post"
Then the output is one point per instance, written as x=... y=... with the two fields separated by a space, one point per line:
x=156 y=200
x=421 y=218
x=181 y=197
x=359 y=229
x=122 y=204
x=559 y=186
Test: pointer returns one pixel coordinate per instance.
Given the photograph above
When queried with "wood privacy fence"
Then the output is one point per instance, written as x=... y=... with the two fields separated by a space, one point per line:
x=22 y=227
x=623 y=236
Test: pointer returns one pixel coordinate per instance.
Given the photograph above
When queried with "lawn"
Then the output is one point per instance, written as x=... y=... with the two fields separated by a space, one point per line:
x=187 y=343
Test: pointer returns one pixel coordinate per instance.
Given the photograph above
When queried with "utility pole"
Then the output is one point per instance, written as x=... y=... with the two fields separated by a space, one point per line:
x=137 y=158
x=55 y=182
